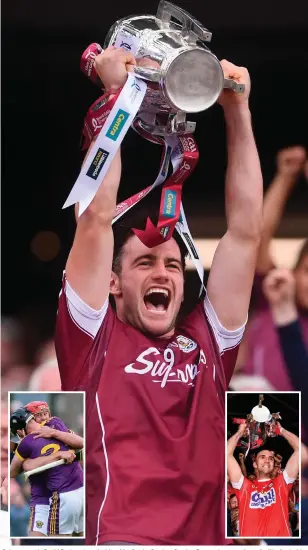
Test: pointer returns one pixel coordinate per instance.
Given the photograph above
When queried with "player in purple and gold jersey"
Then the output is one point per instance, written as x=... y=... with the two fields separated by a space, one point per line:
x=62 y=485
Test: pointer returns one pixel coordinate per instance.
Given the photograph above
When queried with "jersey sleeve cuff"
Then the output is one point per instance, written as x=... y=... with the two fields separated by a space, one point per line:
x=19 y=456
x=226 y=339
x=81 y=306
x=288 y=479
x=86 y=318
x=238 y=484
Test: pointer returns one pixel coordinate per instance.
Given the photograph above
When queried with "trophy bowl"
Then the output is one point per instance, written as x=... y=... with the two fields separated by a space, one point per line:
x=182 y=74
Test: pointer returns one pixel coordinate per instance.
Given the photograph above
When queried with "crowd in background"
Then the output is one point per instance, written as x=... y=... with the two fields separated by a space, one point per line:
x=274 y=351
x=278 y=295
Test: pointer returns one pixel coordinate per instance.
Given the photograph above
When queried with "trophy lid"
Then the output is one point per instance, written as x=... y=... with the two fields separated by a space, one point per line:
x=261 y=414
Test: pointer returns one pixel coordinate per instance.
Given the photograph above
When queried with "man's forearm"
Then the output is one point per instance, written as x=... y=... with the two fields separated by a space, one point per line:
x=244 y=184
x=291 y=438
x=89 y=264
x=32 y=463
x=232 y=442
x=284 y=313
x=274 y=203
x=243 y=467
x=103 y=206
x=71 y=440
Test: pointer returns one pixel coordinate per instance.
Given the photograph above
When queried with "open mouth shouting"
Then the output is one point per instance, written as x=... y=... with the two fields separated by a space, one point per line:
x=157 y=299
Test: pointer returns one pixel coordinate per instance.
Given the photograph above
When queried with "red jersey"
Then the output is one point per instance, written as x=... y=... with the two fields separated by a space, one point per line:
x=155 y=442
x=264 y=506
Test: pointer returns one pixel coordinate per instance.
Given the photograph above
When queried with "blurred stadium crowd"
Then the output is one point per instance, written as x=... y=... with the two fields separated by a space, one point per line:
x=273 y=354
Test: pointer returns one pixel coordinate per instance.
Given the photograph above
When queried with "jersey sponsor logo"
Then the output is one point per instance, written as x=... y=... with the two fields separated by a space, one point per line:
x=163 y=370
x=185 y=344
x=97 y=163
x=117 y=124
x=262 y=499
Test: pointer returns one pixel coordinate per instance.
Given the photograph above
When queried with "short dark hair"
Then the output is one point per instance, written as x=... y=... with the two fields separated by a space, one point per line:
x=233 y=495
x=302 y=254
x=261 y=449
x=136 y=217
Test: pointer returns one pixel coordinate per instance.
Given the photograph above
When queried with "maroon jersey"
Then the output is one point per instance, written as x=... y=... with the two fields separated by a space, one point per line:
x=155 y=422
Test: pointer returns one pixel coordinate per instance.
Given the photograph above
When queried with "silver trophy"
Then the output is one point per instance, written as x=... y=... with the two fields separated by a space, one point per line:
x=182 y=74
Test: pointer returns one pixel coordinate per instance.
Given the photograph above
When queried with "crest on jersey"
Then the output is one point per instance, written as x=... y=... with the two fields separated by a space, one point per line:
x=185 y=344
x=39 y=524
x=260 y=500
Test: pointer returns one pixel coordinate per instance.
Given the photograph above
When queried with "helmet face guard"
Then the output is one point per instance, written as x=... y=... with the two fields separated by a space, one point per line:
x=19 y=419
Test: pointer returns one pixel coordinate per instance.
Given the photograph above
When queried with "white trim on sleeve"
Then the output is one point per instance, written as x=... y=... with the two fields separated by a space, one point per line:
x=226 y=339
x=238 y=484
x=288 y=479
x=87 y=319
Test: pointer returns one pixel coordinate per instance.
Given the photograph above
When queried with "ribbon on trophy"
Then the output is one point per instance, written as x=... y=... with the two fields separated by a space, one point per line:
x=261 y=424
x=175 y=74
x=109 y=119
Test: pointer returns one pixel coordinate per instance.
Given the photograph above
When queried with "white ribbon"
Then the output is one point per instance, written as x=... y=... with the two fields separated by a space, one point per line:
x=107 y=143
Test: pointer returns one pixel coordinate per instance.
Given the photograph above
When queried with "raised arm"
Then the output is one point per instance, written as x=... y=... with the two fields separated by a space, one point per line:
x=89 y=264
x=292 y=466
x=233 y=468
x=231 y=276
x=241 y=458
x=290 y=162
x=279 y=288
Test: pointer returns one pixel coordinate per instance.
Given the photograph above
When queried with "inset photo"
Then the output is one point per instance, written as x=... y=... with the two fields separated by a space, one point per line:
x=263 y=465
x=46 y=489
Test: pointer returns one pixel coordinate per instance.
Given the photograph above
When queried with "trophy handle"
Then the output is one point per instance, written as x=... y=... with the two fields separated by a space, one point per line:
x=154 y=75
x=235 y=86
x=192 y=30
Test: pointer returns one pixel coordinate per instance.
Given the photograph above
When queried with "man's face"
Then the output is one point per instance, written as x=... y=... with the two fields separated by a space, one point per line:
x=264 y=463
x=32 y=426
x=149 y=290
x=233 y=503
x=301 y=277
x=42 y=416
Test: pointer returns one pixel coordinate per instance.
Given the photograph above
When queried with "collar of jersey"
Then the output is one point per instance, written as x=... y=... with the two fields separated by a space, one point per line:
x=43 y=423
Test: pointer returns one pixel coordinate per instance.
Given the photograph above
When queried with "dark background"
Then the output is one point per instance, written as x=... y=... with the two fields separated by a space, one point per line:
x=287 y=404
x=45 y=97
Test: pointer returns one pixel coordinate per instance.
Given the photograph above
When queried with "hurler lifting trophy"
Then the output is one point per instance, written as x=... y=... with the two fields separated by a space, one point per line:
x=175 y=74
